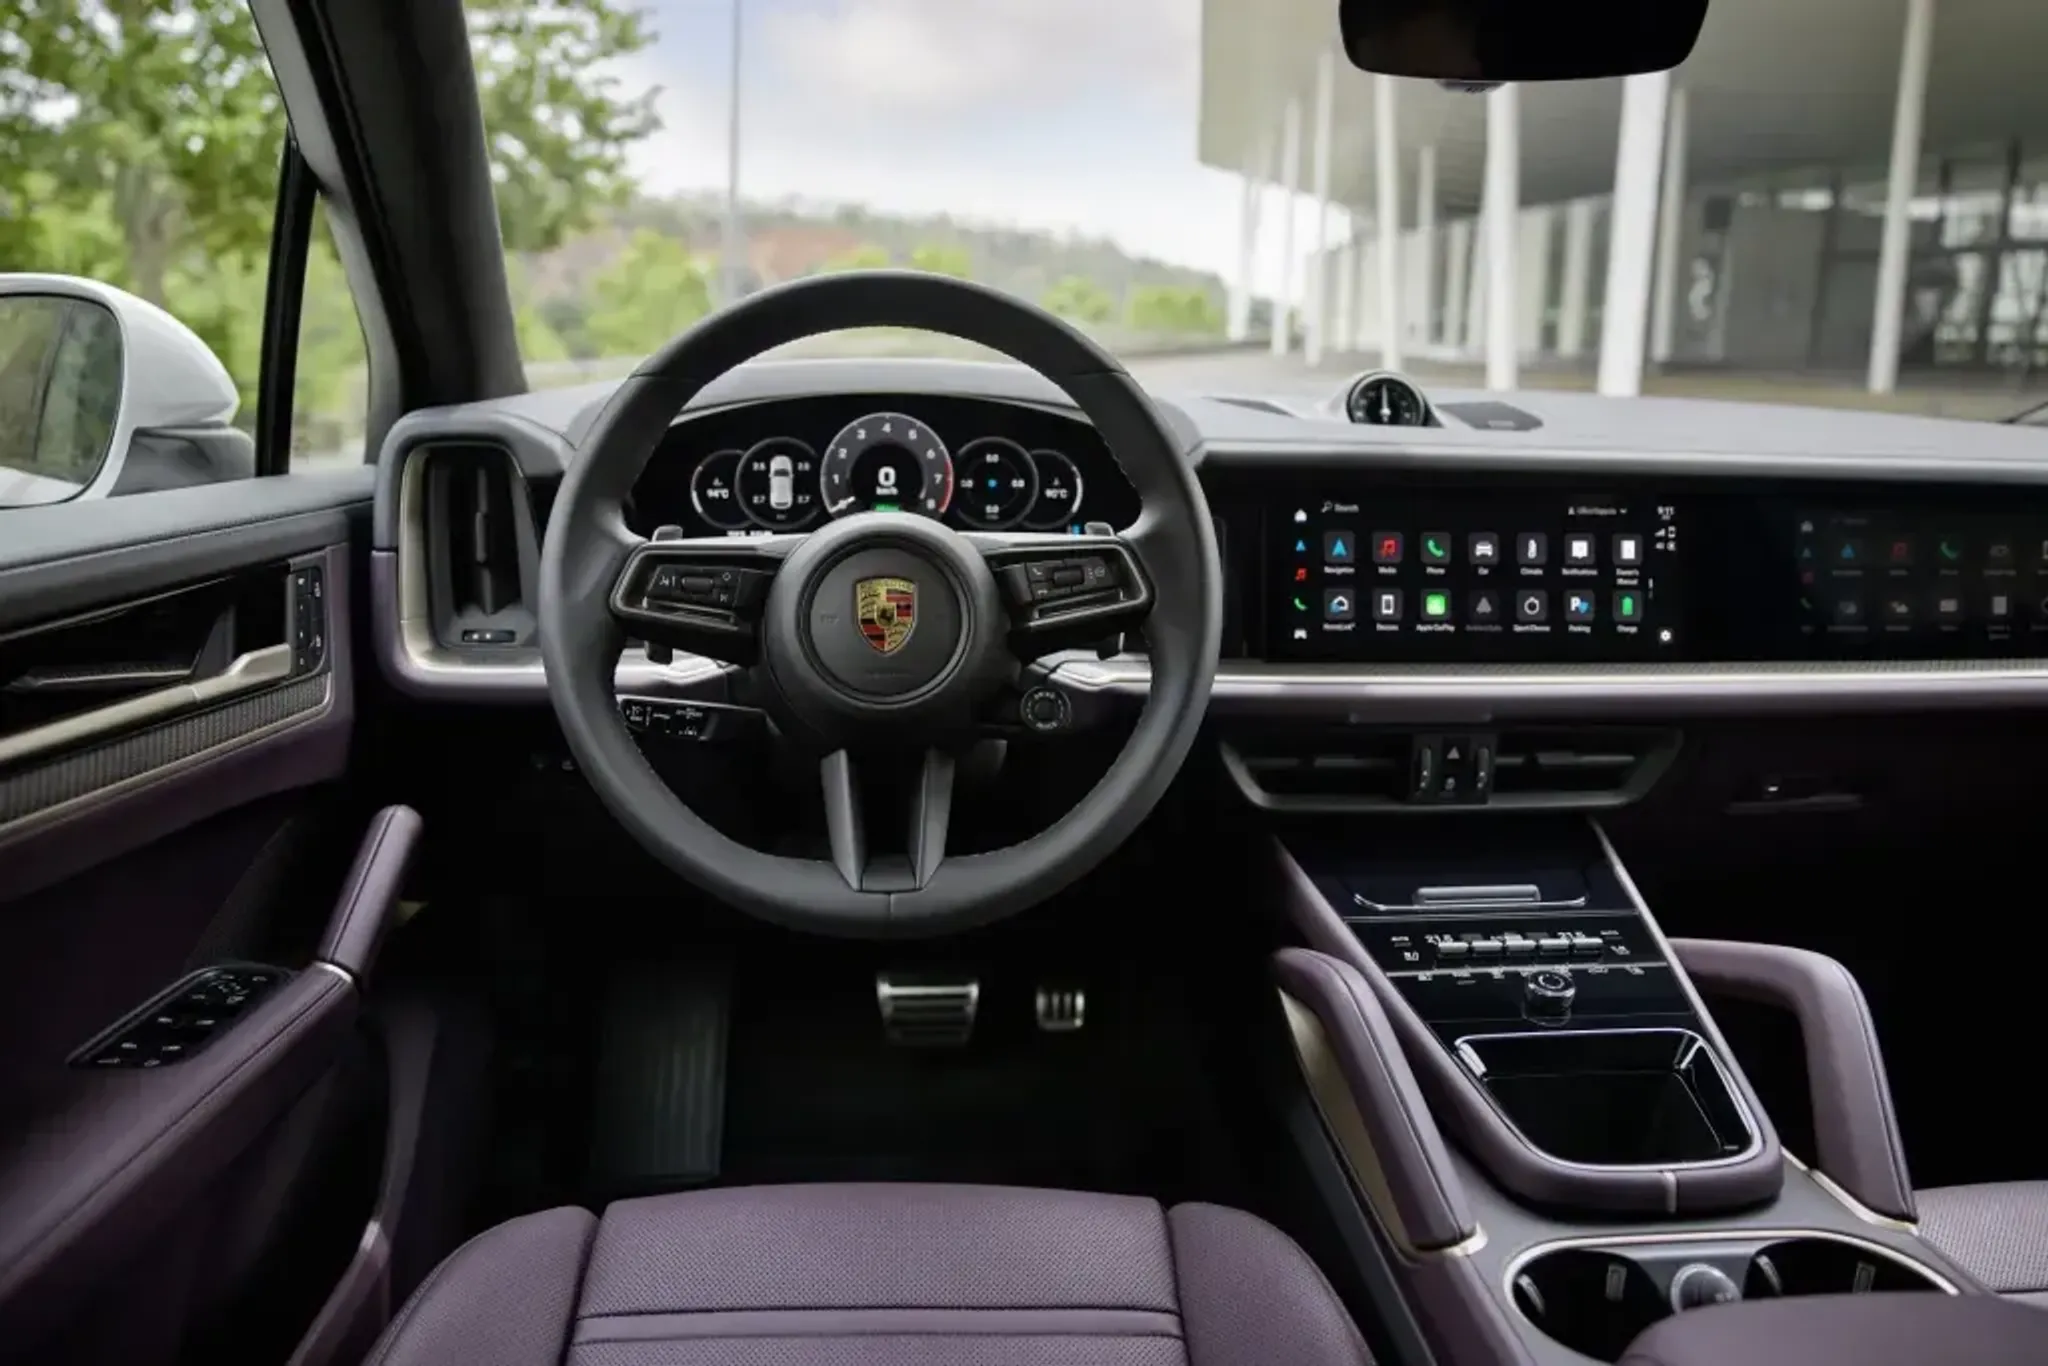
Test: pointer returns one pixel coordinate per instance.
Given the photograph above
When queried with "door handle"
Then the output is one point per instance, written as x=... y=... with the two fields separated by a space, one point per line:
x=245 y=673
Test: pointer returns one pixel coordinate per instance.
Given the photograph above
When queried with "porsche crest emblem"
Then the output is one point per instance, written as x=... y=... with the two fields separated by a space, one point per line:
x=887 y=612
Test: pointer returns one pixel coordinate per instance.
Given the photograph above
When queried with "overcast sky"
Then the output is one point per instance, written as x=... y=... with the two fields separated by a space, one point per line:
x=1061 y=114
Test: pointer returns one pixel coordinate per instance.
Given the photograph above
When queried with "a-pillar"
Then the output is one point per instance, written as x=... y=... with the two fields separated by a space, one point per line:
x=1632 y=233
x=1894 y=253
x=1501 y=219
x=1290 y=190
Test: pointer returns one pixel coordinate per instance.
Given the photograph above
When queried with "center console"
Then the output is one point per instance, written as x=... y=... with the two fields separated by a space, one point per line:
x=1537 y=1110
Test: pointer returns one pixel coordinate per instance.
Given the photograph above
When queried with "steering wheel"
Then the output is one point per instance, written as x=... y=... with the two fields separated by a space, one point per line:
x=880 y=633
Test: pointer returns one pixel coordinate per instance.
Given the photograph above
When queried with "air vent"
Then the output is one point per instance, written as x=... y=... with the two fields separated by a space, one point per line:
x=481 y=531
x=1541 y=767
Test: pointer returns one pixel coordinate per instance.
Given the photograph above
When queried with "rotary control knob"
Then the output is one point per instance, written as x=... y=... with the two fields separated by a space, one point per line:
x=1698 y=1285
x=1045 y=710
x=1547 y=995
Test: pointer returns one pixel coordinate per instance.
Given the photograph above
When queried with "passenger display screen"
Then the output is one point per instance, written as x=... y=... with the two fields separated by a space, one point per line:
x=1427 y=577
x=1914 y=585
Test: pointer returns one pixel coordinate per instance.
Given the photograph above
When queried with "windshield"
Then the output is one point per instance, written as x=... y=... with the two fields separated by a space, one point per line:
x=1205 y=186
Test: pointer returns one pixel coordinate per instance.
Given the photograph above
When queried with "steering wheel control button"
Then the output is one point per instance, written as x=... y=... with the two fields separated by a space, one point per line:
x=1045 y=710
x=1547 y=996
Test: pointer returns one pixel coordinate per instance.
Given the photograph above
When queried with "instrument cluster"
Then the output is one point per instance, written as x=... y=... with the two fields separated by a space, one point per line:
x=976 y=465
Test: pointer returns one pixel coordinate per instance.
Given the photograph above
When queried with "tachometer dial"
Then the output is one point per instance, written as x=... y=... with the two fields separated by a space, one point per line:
x=997 y=483
x=1058 y=505
x=714 y=490
x=778 y=484
x=887 y=462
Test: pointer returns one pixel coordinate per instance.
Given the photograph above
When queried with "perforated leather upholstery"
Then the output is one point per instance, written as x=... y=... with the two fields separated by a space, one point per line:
x=1997 y=1232
x=877 y=1275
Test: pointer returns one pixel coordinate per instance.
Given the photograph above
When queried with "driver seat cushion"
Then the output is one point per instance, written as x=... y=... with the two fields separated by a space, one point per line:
x=877 y=1275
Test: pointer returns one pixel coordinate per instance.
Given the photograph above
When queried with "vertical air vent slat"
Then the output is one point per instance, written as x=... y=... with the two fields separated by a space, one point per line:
x=483 y=545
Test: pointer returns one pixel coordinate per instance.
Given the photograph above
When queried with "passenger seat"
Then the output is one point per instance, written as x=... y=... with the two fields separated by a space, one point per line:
x=1998 y=1232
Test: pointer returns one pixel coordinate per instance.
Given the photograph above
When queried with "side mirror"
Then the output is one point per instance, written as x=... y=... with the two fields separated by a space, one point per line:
x=1485 y=42
x=104 y=394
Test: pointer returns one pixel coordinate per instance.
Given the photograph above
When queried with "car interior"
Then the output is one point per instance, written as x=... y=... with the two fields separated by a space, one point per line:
x=912 y=860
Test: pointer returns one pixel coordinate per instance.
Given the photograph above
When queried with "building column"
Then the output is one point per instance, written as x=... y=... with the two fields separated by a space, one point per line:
x=1316 y=321
x=1670 y=231
x=1457 y=282
x=1532 y=245
x=1578 y=273
x=1425 y=243
x=1344 y=335
x=1502 y=214
x=1290 y=190
x=1242 y=293
x=1895 y=249
x=1386 y=158
x=1631 y=233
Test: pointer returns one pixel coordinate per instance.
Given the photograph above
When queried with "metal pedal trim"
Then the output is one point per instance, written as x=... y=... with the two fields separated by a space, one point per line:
x=927 y=1011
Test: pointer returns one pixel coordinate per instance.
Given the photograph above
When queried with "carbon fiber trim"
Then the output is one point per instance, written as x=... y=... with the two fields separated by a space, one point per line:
x=32 y=791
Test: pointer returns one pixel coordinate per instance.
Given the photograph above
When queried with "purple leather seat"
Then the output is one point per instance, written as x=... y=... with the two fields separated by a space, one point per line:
x=877 y=1275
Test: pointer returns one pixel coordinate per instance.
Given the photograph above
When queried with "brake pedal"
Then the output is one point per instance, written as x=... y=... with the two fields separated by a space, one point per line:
x=927 y=1010
x=1061 y=1010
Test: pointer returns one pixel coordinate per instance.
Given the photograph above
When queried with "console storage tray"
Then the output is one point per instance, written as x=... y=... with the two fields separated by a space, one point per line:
x=1612 y=1098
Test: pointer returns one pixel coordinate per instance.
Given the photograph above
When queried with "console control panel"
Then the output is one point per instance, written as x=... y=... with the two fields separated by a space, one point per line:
x=1460 y=970
x=309 y=619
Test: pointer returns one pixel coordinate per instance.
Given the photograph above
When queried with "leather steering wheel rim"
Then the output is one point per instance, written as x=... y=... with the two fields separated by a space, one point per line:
x=588 y=543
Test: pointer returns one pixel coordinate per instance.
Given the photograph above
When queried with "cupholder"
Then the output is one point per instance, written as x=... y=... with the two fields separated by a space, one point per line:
x=1594 y=1302
x=1824 y=1266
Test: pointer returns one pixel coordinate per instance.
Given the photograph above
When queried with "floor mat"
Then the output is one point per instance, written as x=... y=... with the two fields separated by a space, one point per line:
x=658 y=1118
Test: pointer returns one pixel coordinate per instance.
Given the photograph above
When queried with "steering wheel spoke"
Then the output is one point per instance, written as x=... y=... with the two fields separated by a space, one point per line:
x=702 y=596
x=930 y=814
x=1064 y=592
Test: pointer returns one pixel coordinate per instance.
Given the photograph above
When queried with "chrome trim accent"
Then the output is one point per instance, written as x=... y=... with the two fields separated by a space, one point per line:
x=1734 y=1237
x=1338 y=1110
x=1850 y=1202
x=1688 y=1039
x=1418 y=909
x=246 y=673
x=339 y=971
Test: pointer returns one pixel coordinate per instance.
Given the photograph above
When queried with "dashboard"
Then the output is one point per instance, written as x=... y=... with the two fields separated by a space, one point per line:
x=1588 y=559
x=789 y=467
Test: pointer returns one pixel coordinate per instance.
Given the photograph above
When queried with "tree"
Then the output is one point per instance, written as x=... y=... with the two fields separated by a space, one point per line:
x=866 y=256
x=942 y=259
x=1079 y=298
x=1170 y=308
x=165 y=117
x=652 y=291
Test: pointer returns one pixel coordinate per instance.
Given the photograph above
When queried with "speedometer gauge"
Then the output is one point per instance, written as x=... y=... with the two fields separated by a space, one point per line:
x=778 y=484
x=887 y=462
x=998 y=484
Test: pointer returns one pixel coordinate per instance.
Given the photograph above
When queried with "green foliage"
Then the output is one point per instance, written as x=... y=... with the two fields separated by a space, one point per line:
x=866 y=256
x=652 y=291
x=942 y=258
x=1168 y=308
x=1080 y=299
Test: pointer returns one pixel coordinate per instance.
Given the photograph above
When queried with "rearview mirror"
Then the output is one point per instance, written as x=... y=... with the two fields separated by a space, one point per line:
x=103 y=393
x=1486 y=42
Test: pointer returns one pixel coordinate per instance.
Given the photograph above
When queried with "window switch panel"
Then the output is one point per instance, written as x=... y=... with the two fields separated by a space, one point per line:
x=181 y=1021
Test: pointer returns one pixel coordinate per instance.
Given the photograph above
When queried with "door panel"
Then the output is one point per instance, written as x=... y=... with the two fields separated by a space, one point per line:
x=176 y=706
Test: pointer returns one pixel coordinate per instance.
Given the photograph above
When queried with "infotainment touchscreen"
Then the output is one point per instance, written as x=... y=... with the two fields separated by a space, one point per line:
x=1428 y=576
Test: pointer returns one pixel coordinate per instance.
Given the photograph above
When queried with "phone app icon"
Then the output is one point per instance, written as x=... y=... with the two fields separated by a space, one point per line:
x=1436 y=547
